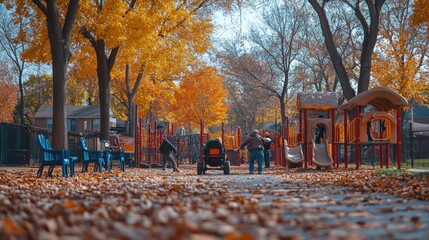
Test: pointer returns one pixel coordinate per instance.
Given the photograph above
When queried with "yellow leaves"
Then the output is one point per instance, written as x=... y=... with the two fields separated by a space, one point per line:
x=201 y=95
x=397 y=66
x=421 y=13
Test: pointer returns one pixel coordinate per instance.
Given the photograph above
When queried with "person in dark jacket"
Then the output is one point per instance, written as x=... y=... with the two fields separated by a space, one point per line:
x=167 y=150
x=267 y=146
x=255 y=146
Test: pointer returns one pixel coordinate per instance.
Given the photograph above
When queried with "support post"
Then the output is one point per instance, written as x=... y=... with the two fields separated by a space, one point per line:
x=201 y=138
x=346 y=140
x=306 y=161
x=357 y=132
x=399 y=137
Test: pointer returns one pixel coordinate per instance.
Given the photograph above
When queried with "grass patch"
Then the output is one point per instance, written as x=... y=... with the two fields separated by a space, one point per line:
x=389 y=171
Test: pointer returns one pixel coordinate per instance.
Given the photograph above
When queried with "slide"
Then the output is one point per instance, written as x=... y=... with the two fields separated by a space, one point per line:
x=321 y=157
x=294 y=156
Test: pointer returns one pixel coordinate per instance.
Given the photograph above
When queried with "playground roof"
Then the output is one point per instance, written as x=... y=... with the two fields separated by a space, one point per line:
x=317 y=100
x=383 y=99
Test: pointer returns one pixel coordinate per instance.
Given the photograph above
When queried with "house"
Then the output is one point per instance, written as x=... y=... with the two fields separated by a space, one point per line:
x=79 y=118
x=420 y=114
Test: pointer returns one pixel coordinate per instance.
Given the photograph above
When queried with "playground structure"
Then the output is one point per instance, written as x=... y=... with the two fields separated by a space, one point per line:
x=375 y=127
x=189 y=146
x=368 y=127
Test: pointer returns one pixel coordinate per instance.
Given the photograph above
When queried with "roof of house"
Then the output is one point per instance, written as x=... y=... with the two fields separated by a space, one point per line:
x=93 y=111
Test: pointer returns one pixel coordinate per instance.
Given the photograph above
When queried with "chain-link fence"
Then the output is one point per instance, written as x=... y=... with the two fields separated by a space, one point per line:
x=415 y=149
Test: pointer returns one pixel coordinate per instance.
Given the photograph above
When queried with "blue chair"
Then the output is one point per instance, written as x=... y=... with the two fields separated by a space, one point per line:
x=53 y=157
x=120 y=157
x=91 y=157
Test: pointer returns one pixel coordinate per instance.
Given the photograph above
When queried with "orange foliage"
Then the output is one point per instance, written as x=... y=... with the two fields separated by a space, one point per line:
x=201 y=95
x=8 y=101
x=421 y=13
x=397 y=65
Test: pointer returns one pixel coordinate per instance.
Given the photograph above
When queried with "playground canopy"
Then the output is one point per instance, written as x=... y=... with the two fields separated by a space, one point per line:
x=383 y=99
x=317 y=100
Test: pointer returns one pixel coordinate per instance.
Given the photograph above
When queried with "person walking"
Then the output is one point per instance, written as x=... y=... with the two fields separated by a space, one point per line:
x=267 y=151
x=167 y=150
x=255 y=146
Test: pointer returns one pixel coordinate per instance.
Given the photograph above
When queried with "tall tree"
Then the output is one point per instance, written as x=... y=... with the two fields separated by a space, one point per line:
x=317 y=70
x=13 y=47
x=59 y=18
x=133 y=28
x=271 y=62
x=403 y=50
x=38 y=91
x=8 y=94
x=421 y=13
x=164 y=56
x=201 y=95
x=368 y=14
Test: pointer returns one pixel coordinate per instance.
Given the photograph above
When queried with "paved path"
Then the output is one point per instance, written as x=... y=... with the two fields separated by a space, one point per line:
x=328 y=212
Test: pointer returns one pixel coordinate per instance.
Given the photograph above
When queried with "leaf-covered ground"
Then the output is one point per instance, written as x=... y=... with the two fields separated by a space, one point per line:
x=157 y=204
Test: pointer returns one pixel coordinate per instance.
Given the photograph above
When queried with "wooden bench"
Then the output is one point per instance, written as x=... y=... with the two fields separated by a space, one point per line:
x=54 y=157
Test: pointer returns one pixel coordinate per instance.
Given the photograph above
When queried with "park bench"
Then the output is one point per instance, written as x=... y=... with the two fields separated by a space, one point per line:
x=91 y=156
x=54 y=157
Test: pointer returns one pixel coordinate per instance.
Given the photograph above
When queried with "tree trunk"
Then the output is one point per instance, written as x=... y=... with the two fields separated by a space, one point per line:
x=131 y=95
x=131 y=116
x=59 y=70
x=368 y=45
x=104 y=83
x=336 y=59
x=21 y=99
x=59 y=38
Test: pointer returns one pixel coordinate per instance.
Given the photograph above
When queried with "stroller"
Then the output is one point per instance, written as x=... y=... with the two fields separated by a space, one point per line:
x=214 y=158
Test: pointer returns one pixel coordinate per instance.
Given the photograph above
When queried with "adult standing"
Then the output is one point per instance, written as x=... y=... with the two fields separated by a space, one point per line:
x=167 y=150
x=255 y=146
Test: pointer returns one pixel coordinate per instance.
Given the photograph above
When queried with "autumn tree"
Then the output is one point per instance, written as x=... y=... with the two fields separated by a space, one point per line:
x=13 y=46
x=163 y=55
x=52 y=23
x=368 y=15
x=201 y=94
x=8 y=94
x=83 y=74
x=38 y=92
x=316 y=70
x=400 y=61
x=271 y=61
x=135 y=28
x=421 y=13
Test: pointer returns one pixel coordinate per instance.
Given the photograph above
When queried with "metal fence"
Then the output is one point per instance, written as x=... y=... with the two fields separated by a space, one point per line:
x=415 y=148
x=18 y=144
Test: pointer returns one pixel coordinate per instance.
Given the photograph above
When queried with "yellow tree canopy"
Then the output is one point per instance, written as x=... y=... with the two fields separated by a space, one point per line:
x=201 y=94
x=421 y=13
x=397 y=67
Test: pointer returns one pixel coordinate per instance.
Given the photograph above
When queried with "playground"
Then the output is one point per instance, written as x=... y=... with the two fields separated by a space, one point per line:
x=364 y=132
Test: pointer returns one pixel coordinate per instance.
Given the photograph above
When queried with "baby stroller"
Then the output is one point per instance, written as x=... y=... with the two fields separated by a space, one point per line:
x=213 y=158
